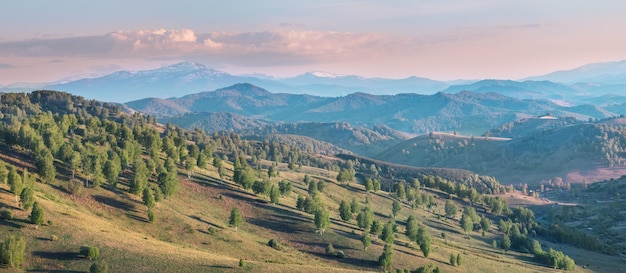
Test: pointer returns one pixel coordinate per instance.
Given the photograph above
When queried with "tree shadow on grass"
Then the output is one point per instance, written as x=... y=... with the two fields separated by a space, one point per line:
x=11 y=223
x=114 y=203
x=197 y=218
x=366 y=264
x=59 y=256
x=56 y=271
x=135 y=217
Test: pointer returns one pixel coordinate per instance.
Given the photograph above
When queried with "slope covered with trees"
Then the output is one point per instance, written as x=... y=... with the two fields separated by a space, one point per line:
x=86 y=186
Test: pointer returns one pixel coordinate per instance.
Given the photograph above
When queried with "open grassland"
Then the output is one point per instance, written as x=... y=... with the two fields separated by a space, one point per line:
x=191 y=232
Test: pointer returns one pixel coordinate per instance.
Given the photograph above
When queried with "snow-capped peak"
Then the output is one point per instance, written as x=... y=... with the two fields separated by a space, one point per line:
x=321 y=74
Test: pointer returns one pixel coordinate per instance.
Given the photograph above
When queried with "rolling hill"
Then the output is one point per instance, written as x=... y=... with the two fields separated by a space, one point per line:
x=466 y=112
x=533 y=151
x=191 y=226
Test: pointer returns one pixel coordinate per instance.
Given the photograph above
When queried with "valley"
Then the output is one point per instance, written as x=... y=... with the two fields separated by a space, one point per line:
x=284 y=187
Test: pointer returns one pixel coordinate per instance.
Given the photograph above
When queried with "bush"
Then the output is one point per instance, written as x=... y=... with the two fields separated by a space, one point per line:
x=241 y=263
x=212 y=230
x=74 y=187
x=330 y=250
x=99 y=267
x=6 y=214
x=151 y=216
x=90 y=252
x=274 y=244
x=341 y=254
x=54 y=238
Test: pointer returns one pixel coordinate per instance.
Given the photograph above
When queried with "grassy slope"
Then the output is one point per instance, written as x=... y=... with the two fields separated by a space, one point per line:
x=179 y=240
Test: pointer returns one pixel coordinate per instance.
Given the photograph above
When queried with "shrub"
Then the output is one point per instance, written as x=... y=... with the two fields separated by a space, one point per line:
x=99 y=267
x=274 y=244
x=330 y=250
x=341 y=254
x=90 y=252
x=6 y=214
x=241 y=263
x=54 y=238
x=151 y=216
x=212 y=230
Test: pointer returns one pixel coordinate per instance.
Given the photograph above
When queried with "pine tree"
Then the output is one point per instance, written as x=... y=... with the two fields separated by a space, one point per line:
x=274 y=195
x=37 y=214
x=395 y=208
x=412 y=226
x=148 y=198
x=385 y=260
x=235 y=219
x=366 y=239
x=27 y=198
x=15 y=181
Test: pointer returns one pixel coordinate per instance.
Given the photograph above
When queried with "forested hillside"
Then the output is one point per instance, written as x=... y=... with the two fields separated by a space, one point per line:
x=88 y=187
x=465 y=112
x=539 y=150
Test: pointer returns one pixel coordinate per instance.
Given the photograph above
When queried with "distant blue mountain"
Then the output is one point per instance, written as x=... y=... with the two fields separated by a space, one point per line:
x=187 y=78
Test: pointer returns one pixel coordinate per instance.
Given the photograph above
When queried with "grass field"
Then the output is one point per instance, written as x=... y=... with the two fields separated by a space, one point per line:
x=191 y=232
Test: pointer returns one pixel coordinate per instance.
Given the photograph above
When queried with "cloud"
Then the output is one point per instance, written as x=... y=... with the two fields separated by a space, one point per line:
x=239 y=48
x=6 y=66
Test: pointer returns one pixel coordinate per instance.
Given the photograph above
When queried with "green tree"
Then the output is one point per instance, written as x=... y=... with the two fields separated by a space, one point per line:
x=388 y=235
x=140 y=177
x=505 y=243
x=385 y=260
x=366 y=239
x=27 y=198
x=424 y=240
x=344 y=211
x=4 y=173
x=285 y=187
x=395 y=208
x=376 y=228
x=12 y=251
x=466 y=223
x=74 y=162
x=322 y=220
x=190 y=165
x=112 y=169
x=485 y=223
x=37 y=214
x=168 y=182
x=452 y=259
x=272 y=171
x=90 y=252
x=244 y=176
x=412 y=226
x=148 y=198
x=365 y=218
x=235 y=219
x=15 y=182
x=451 y=209
x=355 y=206
x=274 y=195
x=45 y=166
x=261 y=187
x=345 y=175
x=459 y=259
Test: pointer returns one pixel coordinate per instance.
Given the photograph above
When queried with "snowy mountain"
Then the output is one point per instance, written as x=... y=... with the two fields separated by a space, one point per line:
x=188 y=78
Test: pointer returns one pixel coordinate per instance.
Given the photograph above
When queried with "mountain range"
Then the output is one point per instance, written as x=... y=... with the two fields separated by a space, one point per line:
x=467 y=112
x=571 y=87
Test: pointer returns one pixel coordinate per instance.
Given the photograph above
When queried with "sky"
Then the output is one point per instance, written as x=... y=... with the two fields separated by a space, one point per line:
x=44 y=41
